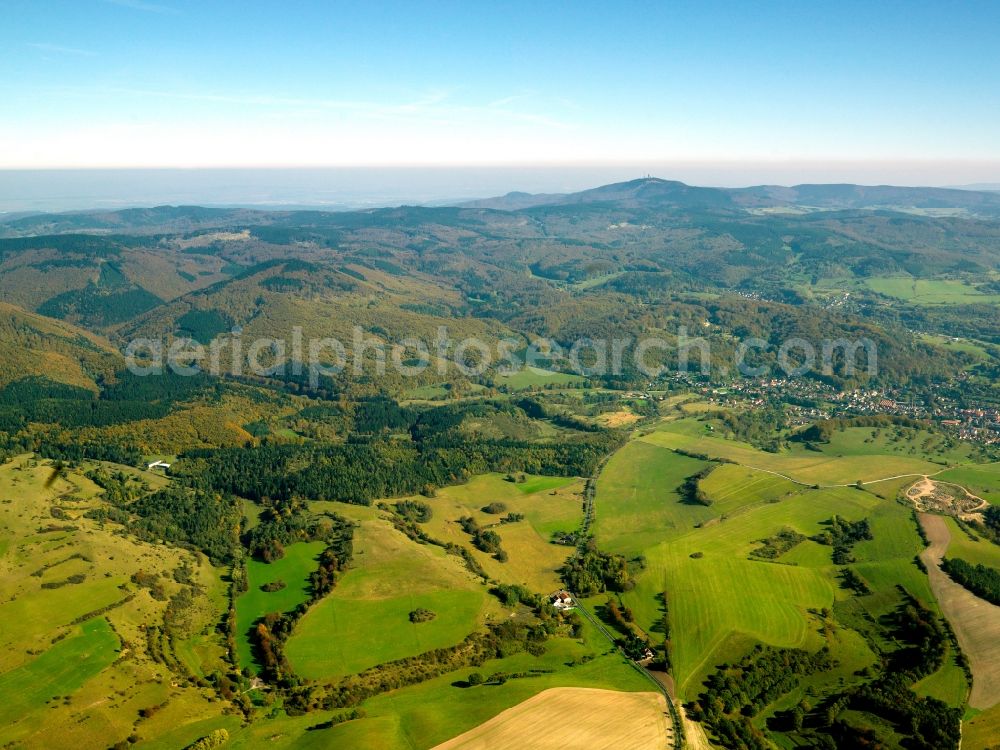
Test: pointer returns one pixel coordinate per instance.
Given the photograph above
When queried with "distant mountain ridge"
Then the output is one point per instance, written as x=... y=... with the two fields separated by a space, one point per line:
x=652 y=191
x=644 y=194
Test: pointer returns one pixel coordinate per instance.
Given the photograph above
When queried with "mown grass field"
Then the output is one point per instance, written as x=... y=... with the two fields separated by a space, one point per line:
x=720 y=602
x=966 y=346
x=982 y=551
x=61 y=670
x=722 y=599
x=732 y=487
x=643 y=479
x=980 y=731
x=895 y=441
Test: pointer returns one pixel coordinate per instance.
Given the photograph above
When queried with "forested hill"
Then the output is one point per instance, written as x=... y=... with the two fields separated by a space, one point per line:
x=651 y=191
x=900 y=266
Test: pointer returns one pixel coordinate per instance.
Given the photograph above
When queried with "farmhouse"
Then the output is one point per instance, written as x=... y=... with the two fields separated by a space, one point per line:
x=561 y=600
x=158 y=465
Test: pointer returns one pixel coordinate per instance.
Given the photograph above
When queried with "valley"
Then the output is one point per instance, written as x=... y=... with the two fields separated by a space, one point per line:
x=367 y=555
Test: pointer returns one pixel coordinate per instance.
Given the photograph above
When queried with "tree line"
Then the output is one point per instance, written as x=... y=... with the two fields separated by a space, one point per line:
x=981 y=580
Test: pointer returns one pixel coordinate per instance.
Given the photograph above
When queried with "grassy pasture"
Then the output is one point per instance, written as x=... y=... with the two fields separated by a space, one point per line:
x=948 y=684
x=637 y=500
x=732 y=487
x=980 y=732
x=720 y=602
x=723 y=596
x=345 y=636
x=539 y=484
x=904 y=442
x=982 y=551
x=930 y=291
x=963 y=345
x=891 y=489
x=425 y=715
x=43 y=655
x=294 y=568
x=364 y=621
x=982 y=480
x=549 y=504
x=800 y=464
x=60 y=670
x=886 y=560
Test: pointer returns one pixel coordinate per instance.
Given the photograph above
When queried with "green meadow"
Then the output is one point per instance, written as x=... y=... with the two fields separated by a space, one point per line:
x=61 y=670
x=548 y=504
x=365 y=621
x=980 y=731
x=720 y=600
x=978 y=551
x=638 y=502
x=294 y=569
x=427 y=714
x=982 y=480
x=845 y=460
x=75 y=663
x=930 y=291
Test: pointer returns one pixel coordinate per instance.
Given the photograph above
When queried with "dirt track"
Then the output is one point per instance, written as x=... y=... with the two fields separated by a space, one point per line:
x=976 y=622
x=563 y=718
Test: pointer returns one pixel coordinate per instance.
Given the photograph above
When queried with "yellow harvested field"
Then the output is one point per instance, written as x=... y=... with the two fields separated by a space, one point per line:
x=618 y=418
x=574 y=717
x=975 y=621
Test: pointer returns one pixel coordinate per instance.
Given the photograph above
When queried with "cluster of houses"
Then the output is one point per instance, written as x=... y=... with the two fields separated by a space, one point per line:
x=980 y=424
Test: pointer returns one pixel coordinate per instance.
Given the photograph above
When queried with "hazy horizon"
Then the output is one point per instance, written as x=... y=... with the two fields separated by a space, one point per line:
x=339 y=188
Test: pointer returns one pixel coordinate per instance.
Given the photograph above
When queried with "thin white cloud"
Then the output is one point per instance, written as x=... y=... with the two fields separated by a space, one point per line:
x=143 y=6
x=59 y=49
x=504 y=101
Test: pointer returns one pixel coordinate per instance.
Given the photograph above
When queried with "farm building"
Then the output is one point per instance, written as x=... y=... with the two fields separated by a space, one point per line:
x=561 y=600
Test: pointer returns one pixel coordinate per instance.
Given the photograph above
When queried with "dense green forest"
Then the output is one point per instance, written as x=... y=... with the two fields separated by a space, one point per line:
x=981 y=580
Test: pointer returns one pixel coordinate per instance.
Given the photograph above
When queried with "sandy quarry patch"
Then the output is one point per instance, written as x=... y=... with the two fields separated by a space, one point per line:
x=975 y=621
x=563 y=718
x=943 y=497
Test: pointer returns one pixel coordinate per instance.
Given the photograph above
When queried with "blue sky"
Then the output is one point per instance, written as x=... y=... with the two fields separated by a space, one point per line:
x=176 y=83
